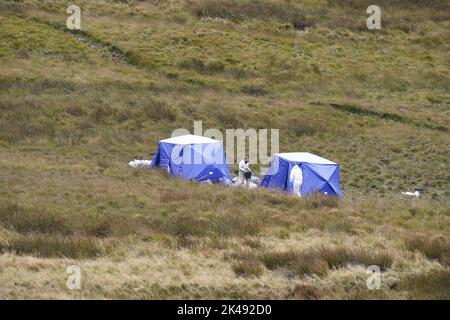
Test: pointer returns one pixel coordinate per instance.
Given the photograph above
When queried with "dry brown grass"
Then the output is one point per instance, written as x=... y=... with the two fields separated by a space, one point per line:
x=429 y=285
x=309 y=261
x=47 y=246
x=404 y=15
x=240 y=10
x=305 y=292
x=248 y=268
x=318 y=261
x=433 y=247
x=75 y=108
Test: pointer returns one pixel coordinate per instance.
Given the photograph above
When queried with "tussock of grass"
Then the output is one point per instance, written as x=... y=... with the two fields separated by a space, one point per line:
x=248 y=268
x=41 y=221
x=186 y=225
x=433 y=247
x=229 y=224
x=339 y=257
x=308 y=264
x=255 y=88
x=430 y=285
x=302 y=127
x=337 y=14
x=229 y=119
x=51 y=246
x=315 y=201
x=246 y=9
x=319 y=201
x=19 y=219
x=197 y=64
x=318 y=261
x=158 y=110
x=305 y=292
x=5 y=238
x=253 y=243
x=298 y=263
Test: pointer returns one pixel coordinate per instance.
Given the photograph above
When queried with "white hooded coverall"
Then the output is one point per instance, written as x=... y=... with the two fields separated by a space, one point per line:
x=296 y=178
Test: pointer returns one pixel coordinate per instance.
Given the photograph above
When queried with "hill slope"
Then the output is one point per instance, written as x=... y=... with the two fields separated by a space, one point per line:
x=76 y=107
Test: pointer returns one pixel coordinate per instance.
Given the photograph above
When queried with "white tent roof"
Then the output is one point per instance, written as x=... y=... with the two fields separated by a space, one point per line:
x=303 y=157
x=189 y=139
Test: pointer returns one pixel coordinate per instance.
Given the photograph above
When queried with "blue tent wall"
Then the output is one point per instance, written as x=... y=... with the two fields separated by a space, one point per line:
x=197 y=162
x=162 y=156
x=277 y=175
x=316 y=177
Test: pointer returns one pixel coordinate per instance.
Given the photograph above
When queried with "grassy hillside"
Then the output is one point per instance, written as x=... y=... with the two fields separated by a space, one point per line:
x=75 y=107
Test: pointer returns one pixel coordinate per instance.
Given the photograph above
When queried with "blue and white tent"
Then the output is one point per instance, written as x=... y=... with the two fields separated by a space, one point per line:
x=192 y=157
x=319 y=174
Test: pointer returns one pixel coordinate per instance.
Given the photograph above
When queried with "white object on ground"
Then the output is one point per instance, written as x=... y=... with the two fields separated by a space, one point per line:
x=252 y=185
x=412 y=194
x=139 y=163
x=236 y=182
x=296 y=178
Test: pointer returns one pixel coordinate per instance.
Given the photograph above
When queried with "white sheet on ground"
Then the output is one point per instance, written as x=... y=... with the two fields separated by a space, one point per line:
x=236 y=183
x=412 y=194
x=139 y=163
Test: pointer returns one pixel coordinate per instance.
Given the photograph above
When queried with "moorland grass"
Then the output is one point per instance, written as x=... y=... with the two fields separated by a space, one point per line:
x=76 y=107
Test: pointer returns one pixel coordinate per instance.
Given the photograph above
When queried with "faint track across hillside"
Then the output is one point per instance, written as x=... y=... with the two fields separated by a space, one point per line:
x=386 y=116
x=117 y=53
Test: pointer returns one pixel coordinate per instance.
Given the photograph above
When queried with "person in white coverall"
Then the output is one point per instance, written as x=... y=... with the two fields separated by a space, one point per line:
x=296 y=178
x=244 y=172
